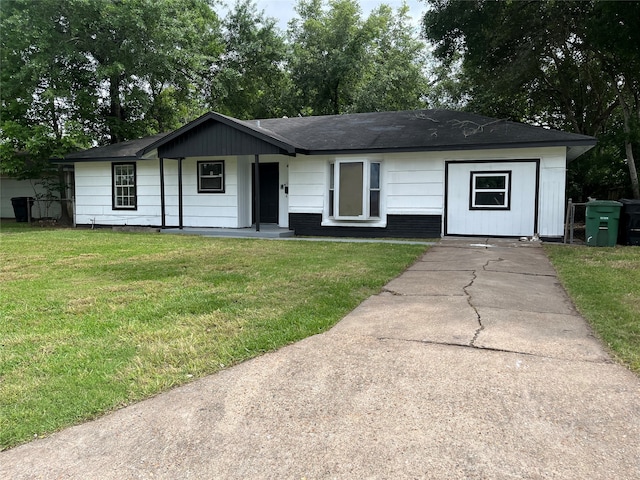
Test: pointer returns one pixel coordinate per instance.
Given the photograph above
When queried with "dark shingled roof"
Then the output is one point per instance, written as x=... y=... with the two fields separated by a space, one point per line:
x=121 y=151
x=417 y=130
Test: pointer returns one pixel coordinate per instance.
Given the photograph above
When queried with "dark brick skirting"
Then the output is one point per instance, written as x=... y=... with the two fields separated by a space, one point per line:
x=398 y=226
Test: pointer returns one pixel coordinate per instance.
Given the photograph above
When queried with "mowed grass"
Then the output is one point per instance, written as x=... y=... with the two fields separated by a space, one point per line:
x=604 y=283
x=92 y=320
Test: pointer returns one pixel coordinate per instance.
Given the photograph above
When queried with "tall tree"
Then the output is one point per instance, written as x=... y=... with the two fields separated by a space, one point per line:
x=393 y=75
x=342 y=62
x=329 y=46
x=250 y=80
x=534 y=61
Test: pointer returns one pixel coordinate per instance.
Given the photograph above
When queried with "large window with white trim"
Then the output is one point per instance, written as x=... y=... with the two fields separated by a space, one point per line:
x=354 y=190
x=490 y=191
x=124 y=186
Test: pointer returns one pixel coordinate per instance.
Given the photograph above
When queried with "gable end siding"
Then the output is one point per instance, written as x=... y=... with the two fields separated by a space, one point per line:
x=213 y=138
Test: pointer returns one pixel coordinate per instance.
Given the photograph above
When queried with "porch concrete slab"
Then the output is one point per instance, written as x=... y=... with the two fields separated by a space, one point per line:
x=344 y=407
x=448 y=320
x=545 y=334
x=415 y=282
x=510 y=291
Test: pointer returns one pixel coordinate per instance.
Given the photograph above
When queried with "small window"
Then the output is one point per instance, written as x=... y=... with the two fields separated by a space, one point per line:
x=211 y=177
x=354 y=190
x=490 y=190
x=124 y=186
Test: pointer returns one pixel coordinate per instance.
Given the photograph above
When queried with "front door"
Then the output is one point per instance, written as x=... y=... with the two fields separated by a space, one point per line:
x=269 y=192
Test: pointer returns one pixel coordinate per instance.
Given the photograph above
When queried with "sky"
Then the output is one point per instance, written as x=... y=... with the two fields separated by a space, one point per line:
x=283 y=9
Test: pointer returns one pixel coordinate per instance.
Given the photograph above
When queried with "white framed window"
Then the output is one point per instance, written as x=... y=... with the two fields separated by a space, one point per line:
x=490 y=191
x=354 y=189
x=123 y=180
x=211 y=176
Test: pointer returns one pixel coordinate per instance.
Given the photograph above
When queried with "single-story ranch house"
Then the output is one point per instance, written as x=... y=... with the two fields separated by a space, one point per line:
x=422 y=173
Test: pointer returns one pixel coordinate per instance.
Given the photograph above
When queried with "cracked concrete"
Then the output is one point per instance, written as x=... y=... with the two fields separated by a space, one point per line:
x=472 y=364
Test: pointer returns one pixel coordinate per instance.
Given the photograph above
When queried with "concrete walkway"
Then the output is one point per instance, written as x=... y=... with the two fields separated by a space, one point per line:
x=472 y=364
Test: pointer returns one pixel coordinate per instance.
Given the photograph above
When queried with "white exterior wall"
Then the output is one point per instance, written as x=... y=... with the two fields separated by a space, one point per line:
x=231 y=209
x=93 y=194
x=411 y=184
x=414 y=183
x=551 y=193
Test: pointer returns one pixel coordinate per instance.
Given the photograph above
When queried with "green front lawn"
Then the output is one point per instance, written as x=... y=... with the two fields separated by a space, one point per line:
x=604 y=283
x=91 y=320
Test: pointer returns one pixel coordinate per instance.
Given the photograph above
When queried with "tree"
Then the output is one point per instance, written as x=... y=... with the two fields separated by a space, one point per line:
x=250 y=80
x=537 y=61
x=393 y=76
x=343 y=63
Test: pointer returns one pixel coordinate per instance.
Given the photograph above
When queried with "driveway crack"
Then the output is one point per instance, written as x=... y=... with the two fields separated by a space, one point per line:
x=470 y=302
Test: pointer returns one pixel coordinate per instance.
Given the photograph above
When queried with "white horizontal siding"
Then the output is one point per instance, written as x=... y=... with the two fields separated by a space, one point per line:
x=308 y=188
x=93 y=194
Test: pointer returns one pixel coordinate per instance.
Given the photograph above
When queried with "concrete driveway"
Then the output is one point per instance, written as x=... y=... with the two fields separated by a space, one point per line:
x=472 y=364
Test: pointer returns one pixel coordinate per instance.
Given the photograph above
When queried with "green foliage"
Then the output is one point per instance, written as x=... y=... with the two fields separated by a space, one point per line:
x=93 y=320
x=604 y=283
x=342 y=63
x=570 y=65
x=250 y=79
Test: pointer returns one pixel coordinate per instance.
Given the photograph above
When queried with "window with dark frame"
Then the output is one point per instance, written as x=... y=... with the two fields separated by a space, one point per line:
x=357 y=196
x=211 y=176
x=123 y=180
x=490 y=191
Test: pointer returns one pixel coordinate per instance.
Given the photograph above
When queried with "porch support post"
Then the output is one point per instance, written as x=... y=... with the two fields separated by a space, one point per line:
x=180 y=223
x=256 y=167
x=162 y=204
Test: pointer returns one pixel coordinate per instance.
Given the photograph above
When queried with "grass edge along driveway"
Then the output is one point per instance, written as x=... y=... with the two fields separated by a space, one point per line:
x=604 y=284
x=92 y=320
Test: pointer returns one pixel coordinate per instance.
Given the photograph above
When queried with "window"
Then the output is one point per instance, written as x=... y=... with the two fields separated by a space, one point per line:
x=357 y=196
x=490 y=191
x=211 y=177
x=124 y=186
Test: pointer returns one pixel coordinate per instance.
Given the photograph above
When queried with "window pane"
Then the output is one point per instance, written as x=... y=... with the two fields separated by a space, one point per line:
x=375 y=176
x=331 y=203
x=211 y=169
x=490 y=199
x=351 y=184
x=374 y=203
x=491 y=182
x=214 y=183
x=332 y=169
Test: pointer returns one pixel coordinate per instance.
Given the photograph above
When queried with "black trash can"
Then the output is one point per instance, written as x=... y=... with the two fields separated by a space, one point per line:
x=22 y=208
x=629 y=227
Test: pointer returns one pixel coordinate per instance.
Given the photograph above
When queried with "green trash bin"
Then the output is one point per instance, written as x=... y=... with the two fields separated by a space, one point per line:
x=601 y=228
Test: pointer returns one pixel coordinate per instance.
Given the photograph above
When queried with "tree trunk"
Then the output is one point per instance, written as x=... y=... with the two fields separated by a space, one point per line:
x=633 y=172
x=115 y=109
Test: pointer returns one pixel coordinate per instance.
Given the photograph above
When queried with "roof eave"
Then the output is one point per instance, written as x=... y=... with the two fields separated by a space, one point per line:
x=575 y=146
